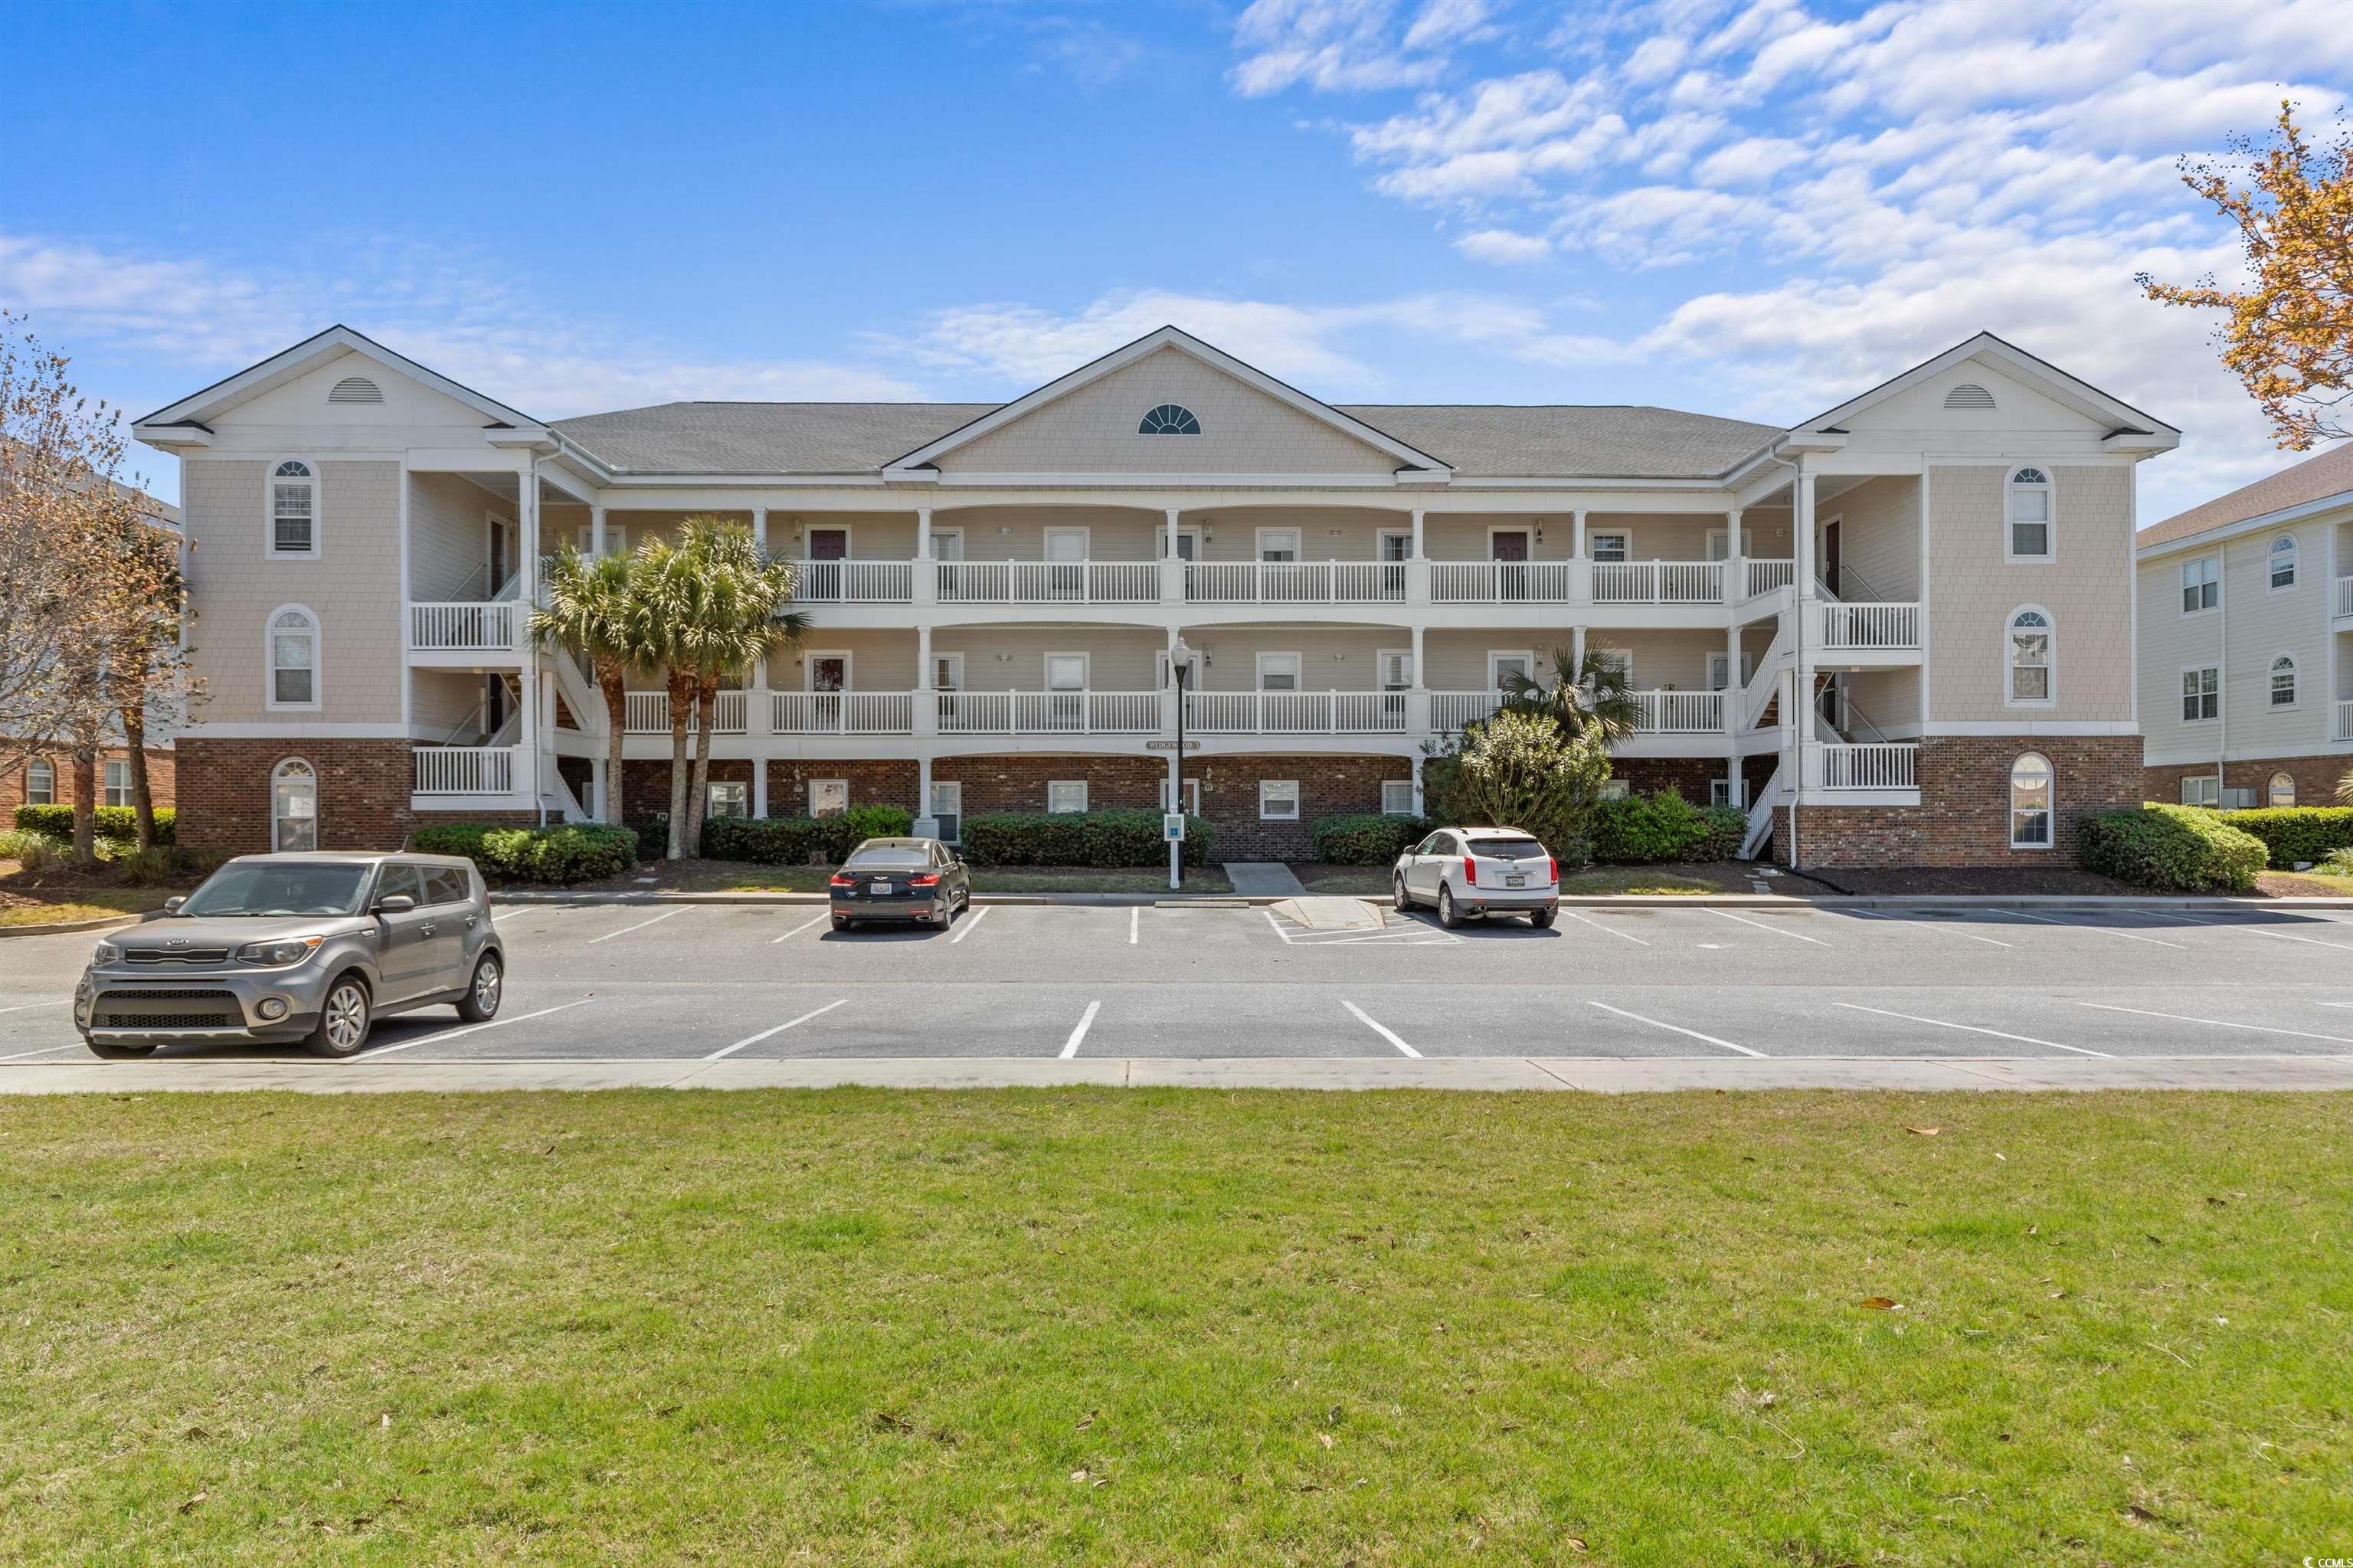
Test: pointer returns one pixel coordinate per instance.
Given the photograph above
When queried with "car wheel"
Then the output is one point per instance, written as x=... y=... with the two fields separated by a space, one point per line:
x=1397 y=892
x=1448 y=915
x=843 y=922
x=106 y=1052
x=1541 y=919
x=343 y=1019
x=480 y=1002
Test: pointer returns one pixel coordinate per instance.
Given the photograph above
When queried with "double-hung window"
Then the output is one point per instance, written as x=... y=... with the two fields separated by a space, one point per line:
x=2201 y=694
x=1278 y=799
x=2029 y=515
x=2201 y=789
x=1066 y=796
x=293 y=509
x=2030 y=656
x=2281 y=557
x=2201 y=584
x=2030 y=801
x=294 y=658
x=2282 y=681
x=118 y=782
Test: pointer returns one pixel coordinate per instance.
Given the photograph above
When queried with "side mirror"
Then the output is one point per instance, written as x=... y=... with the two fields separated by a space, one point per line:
x=395 y=904
x=171 y=906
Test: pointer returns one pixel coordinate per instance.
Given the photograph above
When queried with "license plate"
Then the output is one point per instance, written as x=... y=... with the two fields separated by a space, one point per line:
x=1516 y=879
x=878 y=889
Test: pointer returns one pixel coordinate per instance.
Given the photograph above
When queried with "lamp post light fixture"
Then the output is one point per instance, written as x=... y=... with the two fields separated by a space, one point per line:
x=1180 y=664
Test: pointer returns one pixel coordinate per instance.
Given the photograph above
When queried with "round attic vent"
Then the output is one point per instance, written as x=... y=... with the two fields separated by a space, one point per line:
x=356 y=389
x=1968 y=395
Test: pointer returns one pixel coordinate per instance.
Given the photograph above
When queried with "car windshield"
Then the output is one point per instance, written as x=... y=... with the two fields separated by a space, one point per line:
x=278 y=887
x=1506 y=849
x=888 y=860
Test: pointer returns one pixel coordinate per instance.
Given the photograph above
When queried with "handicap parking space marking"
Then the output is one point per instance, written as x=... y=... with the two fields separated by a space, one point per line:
x=970 y=924
x=1627 y=936
x=2220 y=1022
x=2249 y=926
x=1973 y=1029
x=1406 y=932
x=435 y=1039
x=804 y=925
x=727 y=1051
x=1377 y=1027
x=1794 y=936
x=1924 y=925
x=664 y=915
x=2103 y=930
x=1675 y=1028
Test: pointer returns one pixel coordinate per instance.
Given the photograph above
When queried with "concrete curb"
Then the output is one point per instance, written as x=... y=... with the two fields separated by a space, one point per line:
x=1594 y=1075
x=1593 y=901
x=104 y=923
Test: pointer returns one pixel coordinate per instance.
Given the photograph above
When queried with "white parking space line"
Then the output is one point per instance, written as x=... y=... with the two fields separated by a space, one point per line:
x=1086 y=1022
x=1675 y=1028
x=373 y=1051
x=2218 y=1022
x=44 y=1050
x=638 y=926
x=779 y=1029
x=1973 y=1029
x=1613 y=930
x=2250 y=929
x=2103 y=930
x=1383 y=1029
x=1929 y=925
x=800 y=929
x=1135 y=925
x=1793 y=936
x=31 y=1006
x=1276 y=924
x=969 y=927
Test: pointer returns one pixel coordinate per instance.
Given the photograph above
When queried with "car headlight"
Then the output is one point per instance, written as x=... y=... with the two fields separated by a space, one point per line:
x=279 y=954
x=105 y=953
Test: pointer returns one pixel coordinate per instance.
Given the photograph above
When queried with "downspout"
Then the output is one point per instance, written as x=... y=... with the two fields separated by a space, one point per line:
x=2222 y=671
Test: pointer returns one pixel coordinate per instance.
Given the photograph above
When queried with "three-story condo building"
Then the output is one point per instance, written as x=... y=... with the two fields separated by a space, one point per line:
x=1898 y=632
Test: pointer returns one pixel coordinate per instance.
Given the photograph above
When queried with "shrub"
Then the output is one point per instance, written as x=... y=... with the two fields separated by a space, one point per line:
x=766 y=841
x=573 y=852
x=34 y=851
x=166 y=865
x=1645 y=829
x=2296 y=833
x=1518 y=771
x=118 y=824
x=1727 y=829
x=1369 y=838
x=858 y=824
x=1111 y=838
x=2171 y=846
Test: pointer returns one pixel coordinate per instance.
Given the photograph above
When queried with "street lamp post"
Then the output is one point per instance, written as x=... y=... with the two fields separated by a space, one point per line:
x=1180 y=664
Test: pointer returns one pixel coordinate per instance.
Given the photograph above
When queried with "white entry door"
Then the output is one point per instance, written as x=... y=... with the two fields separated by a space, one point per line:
x=1066 y=551
x=1066 y=685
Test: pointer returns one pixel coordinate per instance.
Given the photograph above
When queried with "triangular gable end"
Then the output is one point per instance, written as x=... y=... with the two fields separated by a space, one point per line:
x=1250 y=422
x=2123 y=426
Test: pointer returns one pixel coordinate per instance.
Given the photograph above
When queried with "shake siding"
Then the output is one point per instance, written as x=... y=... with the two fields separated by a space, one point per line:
x=449 y=540
x=1879 y=538
x=2086 y=591
x=1093 y=430
x=352 y=589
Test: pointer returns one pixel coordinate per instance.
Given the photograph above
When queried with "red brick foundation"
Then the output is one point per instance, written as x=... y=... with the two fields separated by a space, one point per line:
x=1963 y=818
x=363 y=789
x=2316 y=777
x=161 y=780
x=1693 y=778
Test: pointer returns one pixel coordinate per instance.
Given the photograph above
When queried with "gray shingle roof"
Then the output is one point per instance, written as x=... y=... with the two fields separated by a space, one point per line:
x=1553 y=440
x=2330 y=473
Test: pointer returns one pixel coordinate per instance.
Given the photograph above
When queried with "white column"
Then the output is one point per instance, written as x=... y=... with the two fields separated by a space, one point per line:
x=922 y=784
x=596 y=531
x=1578 y=516
x=760 y=786
x=1173 y=513
x=923 y=671
x=760 y=536
x=1419 y=552
x=1576 y=651
x=1419 y=809
x=1736 y=562
x=1802 y=532
x=922 y=533
x=597 y=783
x=1733 y=685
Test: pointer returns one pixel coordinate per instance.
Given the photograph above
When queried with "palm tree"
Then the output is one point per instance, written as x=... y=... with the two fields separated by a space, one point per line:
x=1598 y=701
x=588 y=614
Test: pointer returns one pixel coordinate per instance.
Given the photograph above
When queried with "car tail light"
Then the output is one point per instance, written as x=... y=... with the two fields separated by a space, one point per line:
x=1469 y=871
x=839 y=880
x=929 y=879
x=1552 y=869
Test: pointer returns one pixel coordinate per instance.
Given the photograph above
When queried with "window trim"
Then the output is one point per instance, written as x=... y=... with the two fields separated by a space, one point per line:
x=1298 y=669
x=1192 y=794
x=1593 y=537
x=1296 y=803
x=2202 y=779
x=932 y=806
x=1387 y=784
x=1078 y=784
x=1381 y=657
x=318 y=482
x=1086 y=671
x=809 y=656
x=270 y=661
x=810 y=788
x=709 y=802
x=1171 y=427
x=1382 y=536
x=2200 y=670
x=2295 y=683
x=2271 y=790
x=955 y=660
x=2050 y=802
x=50 y=789
x=1495 y=682
x=277 y=769
x=1616 y=790
x=1298 y=548
x=940 y=530
x=2295 y=563
x=1723 y=537
x=2189 y=561
x=106 y=781
x=810 y=531
x=2009 y=697
x=2050 y=488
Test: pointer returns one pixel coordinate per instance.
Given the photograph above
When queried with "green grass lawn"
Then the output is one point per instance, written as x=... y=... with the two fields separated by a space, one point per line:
x=1088 y=1326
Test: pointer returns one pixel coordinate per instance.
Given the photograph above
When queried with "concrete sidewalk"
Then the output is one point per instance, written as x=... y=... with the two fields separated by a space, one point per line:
x=1594 y=1073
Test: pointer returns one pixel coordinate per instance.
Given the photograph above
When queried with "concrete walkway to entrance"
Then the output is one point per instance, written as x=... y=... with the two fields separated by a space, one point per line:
x=1263 y=879
x=1597 y=1075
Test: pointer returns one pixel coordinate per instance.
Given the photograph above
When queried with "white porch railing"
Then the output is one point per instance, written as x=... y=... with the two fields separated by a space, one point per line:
x=855 y=582
x=1295 y=713
x=1765 y=577
x=464 y=769
x=2344 y=722
x=1450 y=710
x=1493 y=582
x=1679 y=713
x=1658 y=582
x=842 y=713
x=1872 y=626
x=1048 y=713
x=1048 y=582
x=1877 y=765
x=481 y=627
x=647 y=712
x=2344 y=598
x=1293 y=582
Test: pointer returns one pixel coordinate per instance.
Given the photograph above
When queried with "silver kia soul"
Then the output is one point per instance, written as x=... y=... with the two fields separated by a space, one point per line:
x=310 y=948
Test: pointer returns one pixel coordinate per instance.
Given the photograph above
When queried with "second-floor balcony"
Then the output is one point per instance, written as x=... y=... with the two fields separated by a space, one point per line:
x=2344 y=604
x=479 y=626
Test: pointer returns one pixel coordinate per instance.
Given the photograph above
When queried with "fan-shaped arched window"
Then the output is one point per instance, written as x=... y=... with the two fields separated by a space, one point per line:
x=2030 y=655
x=2284 y=680
x=2030 y=515
x=2030 y=801
x=2282 y=557
x=2282 y=793
x=294 y=658
x=1169 y=419
x=293 y=806
x=293 y=509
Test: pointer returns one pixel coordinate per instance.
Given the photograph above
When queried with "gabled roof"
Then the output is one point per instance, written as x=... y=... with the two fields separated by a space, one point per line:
x=929 y=452
x=307 y=356
x=2310 y=482
x=2121 y=417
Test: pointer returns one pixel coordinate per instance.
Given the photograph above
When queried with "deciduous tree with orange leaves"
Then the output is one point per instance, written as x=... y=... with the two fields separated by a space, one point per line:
x=2289 y=337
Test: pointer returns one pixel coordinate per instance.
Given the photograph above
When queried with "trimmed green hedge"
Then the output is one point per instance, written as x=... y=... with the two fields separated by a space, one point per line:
x=573 y=852
x=1641 y=829
x=2296 y=833
x=117 y=824
x=791 y=840
x=2183 y=847
x=1114 y=838
x=1371 y=838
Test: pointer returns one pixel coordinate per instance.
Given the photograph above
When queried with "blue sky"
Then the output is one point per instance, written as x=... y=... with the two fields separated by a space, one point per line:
x=1752 y=208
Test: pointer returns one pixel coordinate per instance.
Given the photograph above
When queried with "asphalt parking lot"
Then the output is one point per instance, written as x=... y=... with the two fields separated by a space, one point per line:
x=620 y=981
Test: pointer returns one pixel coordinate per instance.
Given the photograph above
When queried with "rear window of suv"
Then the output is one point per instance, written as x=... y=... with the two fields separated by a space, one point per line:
x=447 y=885
x=1506 y=849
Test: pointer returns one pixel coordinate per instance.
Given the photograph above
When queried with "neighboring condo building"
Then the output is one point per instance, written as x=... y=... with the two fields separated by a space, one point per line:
x=1942 y=565
x=2246 y=642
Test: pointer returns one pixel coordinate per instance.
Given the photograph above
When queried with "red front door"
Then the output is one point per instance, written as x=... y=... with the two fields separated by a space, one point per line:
x=1511 y=547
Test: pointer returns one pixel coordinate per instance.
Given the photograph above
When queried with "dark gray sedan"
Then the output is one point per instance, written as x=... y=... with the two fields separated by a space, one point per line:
x=901 y=879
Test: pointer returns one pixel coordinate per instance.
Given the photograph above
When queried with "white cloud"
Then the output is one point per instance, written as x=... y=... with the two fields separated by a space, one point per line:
x=1504 y=247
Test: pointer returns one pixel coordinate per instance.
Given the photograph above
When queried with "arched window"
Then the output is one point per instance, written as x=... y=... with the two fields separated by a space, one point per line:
x=293 y=509
x=2030 y=656
x=2029 y=515
x=2283 y=790
x=1169 y=419
x=293 y=806
x=2282 y=557
x=40 y=782
x=2284 y=680
x=294 y=658
x=2030 y=801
